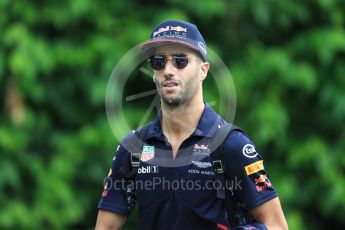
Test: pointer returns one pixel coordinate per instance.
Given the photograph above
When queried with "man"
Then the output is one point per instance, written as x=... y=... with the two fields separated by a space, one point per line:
x=175 y=156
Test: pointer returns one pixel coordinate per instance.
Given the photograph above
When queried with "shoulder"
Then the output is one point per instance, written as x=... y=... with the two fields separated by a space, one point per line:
x=135 y=139
x=238 y=141
x=239 y=150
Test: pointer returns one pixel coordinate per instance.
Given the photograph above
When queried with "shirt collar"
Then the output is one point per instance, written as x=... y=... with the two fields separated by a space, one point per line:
x=208 y=122
x=207 y=125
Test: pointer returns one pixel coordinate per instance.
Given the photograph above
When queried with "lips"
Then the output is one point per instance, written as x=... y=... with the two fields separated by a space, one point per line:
x=170 y=84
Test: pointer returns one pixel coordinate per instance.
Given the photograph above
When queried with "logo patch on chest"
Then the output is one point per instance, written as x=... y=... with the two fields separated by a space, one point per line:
x=202 y=164
x=148 y=153
x=148 y=169
x=201 y=149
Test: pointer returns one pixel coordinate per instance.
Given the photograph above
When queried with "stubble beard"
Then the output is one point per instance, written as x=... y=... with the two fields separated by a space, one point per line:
x=187 y=91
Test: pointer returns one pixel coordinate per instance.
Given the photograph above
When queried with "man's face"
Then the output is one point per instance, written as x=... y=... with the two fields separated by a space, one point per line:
x=177 y=86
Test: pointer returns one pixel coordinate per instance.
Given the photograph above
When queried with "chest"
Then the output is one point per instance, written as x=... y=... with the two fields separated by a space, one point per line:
x=187 y=177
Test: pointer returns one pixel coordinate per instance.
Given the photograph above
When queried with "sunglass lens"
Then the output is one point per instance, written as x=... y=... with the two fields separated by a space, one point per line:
x=157 y=62
x=180 y=61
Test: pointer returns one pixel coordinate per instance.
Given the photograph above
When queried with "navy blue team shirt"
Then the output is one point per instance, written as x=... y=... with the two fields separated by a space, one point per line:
x=180 y=193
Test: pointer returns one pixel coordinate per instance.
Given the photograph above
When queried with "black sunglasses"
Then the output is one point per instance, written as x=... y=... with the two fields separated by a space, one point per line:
x=158 y=61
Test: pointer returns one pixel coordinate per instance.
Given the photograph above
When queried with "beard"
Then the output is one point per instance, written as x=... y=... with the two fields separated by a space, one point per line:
x=174 y=101
x=188 y=89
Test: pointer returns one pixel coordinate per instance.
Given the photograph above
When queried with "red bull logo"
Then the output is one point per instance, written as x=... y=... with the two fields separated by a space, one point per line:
x=261 y=179
x=178 y=29
x=201 y=147
x=262 y=182
x=161 y=30
x=169 y=28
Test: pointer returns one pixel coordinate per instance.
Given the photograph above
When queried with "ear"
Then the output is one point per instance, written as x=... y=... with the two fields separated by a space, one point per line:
x=204 y=67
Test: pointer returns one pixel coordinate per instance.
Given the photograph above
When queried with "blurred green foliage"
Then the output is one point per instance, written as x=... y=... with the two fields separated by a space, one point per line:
x=287 y=59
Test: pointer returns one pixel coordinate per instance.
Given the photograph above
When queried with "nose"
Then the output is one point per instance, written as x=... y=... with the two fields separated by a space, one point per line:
x=169 y=68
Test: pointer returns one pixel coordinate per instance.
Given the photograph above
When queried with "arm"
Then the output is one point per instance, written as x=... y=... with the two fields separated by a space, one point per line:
x=271 y=214
x=113 y=206
x=109 y=220
x=256 y=192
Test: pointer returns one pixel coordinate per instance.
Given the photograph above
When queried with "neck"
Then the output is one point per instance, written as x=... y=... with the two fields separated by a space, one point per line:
x=179 y=122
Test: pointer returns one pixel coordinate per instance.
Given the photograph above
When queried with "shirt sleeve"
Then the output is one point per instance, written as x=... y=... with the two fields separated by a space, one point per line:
x=245 y=167
x=114 y=196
